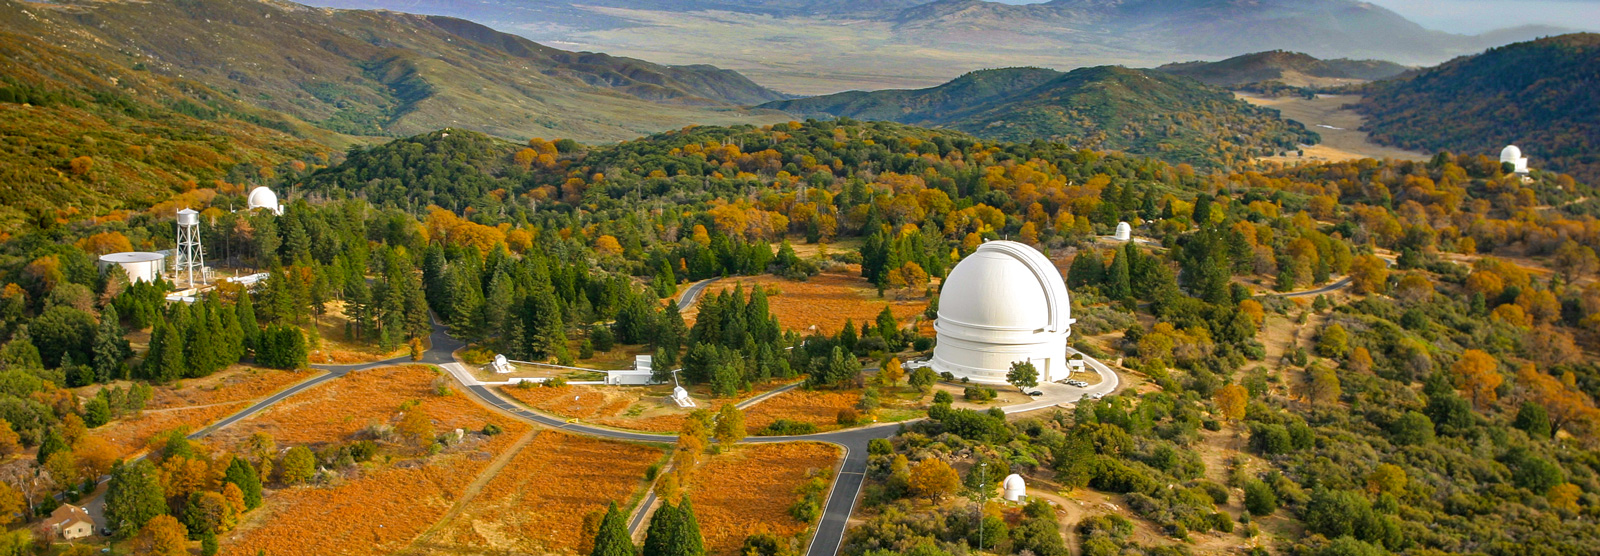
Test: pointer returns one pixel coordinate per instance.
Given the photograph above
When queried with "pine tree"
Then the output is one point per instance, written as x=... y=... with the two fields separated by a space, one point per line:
x=110 y=349
x=243 y=475
x=661 y=538
x=689 y=531
x=247 y=321
x=133 y=497
x=1118 y=283
x=613 y=538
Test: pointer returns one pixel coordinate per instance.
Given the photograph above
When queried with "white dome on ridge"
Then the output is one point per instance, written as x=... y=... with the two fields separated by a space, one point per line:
x=1510 y=154
x=262 y=197
x=1002 y=304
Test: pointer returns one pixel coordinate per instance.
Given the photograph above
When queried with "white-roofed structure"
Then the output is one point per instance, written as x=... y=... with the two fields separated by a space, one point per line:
x=1014 y=489
x=1124 y=232
x=140 y=266
x=1004 y=303
x=1513 y=155
x=263 y=198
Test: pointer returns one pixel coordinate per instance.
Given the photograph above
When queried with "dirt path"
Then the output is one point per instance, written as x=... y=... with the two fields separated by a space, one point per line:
x=472 y=490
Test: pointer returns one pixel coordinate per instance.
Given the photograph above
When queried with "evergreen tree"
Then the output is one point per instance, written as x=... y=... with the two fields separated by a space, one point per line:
x=613 y=538
x=247 y=320
x=243 y=475
x=133 y=497
x=689 y=531
x=662 y=538
x=1118 y=284
x=51 y=444
x=110 y=349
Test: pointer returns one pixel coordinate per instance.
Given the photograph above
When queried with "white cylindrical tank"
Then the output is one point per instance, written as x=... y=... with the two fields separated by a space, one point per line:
x=1014 y=489
x=188 y=217
x=1124 y=232
x=1002 y=304
x=139 y=266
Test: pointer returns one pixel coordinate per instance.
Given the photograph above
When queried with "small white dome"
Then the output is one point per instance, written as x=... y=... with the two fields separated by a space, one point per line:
x=1510 y=154
x=1124 y=232
x=262 y=197
x=1014 y=488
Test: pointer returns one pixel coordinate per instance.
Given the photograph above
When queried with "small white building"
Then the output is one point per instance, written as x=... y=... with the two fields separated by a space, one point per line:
x=1124 y=232
x=501 y=365
x=1002 y=304
x=1014 y=489
x=139 y=266
x=263 y=198
x=1513 y=155
x=641 y=374
x=681 y=397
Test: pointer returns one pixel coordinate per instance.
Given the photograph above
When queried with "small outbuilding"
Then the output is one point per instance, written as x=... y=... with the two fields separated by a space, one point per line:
x=1014 y=489
x=501 y=365
x=68 y=522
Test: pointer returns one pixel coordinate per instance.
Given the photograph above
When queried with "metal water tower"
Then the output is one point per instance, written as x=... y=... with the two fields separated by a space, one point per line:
x=189 y=257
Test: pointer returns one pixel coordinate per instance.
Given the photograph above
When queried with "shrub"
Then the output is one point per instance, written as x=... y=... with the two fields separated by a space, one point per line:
x=785 y=427
x=979 y=393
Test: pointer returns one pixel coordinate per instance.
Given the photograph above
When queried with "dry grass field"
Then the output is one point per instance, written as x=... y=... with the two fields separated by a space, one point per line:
x=749 y=489
x=575 y=400
x=336 y=349
x=339 y=409
x=536 y=504
x=193 y=404
x=820 y=408
x=1342 y=138
x=825 y=301
x=380 y=511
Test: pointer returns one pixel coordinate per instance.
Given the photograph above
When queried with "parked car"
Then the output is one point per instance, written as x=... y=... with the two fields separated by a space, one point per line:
x=1097 y=395
x=1035 y=393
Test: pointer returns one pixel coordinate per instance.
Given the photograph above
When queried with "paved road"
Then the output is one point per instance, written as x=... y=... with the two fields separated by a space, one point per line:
x=689 y=296
x=1336 y=286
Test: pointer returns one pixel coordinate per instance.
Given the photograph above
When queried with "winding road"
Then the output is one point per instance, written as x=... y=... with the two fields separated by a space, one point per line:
x=850 y=476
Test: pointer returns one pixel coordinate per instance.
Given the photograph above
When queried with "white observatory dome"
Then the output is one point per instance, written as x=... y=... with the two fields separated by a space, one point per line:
x=1003 y=304
x=1124 y=232
x=263 y=198
x=1014 y=488
x=1513 y=155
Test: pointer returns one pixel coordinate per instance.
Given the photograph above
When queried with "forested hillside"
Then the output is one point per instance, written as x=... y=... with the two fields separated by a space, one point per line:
x=1538 y=95
x=1293 y=69
x=1102 y=108
x=1443 y=403
x=386 y=73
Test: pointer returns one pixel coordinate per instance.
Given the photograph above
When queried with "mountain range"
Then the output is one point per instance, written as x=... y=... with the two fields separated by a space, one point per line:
x=1106 y=107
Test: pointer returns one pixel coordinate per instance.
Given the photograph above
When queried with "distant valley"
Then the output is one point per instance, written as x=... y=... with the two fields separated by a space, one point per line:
x=824 y=46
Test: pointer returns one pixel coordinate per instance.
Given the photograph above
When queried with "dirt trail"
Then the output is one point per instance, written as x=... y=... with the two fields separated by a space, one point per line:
x=472 y=490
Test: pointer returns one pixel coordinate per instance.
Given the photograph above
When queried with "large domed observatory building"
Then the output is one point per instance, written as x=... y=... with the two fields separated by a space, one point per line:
x=1002 y=304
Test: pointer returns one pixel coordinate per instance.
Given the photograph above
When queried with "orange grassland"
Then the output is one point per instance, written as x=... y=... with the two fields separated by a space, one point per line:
x=194 y=404
x=335 y=411
x=819 y=407
x=575 y=400
x=537 y=503
x=825 y=301
x=379 y=512
x=749 y=489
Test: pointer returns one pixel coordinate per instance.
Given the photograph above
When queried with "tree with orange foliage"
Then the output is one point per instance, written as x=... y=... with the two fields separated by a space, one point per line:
x=524 y=158
x=162 y=536
x=1369 y=274
x=1511 y=314
x=934 y=479
x=105 y=242
x=1231 y=400
x=1360 y=360
x=1479 y=375
x=416 y=426
x=1567 y=406
x=80 y=165
x=608 y=245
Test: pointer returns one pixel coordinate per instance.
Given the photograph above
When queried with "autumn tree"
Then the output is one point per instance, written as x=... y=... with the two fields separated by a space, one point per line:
x=1320 y=386
x=241 y=474
x=1334 y=342
x=162 y=536
x=890 y=371
x=1369 y=274
x=1360 y=360
x=416 y=427
x=934 y=479
x=299 y=465
x=1566 y=406
x=1231 y=400
x=1478 y=375
x=11 y=505
x=730 y=424
x=9 y=439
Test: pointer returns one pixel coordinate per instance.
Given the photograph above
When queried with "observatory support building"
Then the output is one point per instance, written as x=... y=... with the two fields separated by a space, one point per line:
x=1004 y=303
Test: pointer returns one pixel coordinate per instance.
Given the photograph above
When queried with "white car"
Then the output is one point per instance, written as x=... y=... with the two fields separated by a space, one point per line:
x=1097 y=395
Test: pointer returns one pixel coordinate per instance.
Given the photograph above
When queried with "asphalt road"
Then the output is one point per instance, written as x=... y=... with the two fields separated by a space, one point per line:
x=687 y=300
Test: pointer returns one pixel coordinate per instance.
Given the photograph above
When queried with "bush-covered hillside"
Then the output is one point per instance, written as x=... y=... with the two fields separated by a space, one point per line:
x=1142 y=112
x=1538 y=95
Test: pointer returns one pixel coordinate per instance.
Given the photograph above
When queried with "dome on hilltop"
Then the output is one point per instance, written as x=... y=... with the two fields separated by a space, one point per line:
x=1004 y=303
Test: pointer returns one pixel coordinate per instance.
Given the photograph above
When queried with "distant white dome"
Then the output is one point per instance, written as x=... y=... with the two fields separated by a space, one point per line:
x=1003 y=304
x=262 y=198
x=1124 y=232
x=1014 y=488
x=1513 y=155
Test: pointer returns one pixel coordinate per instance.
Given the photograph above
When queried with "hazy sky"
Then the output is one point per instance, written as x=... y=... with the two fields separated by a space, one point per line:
x=1476 y=16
